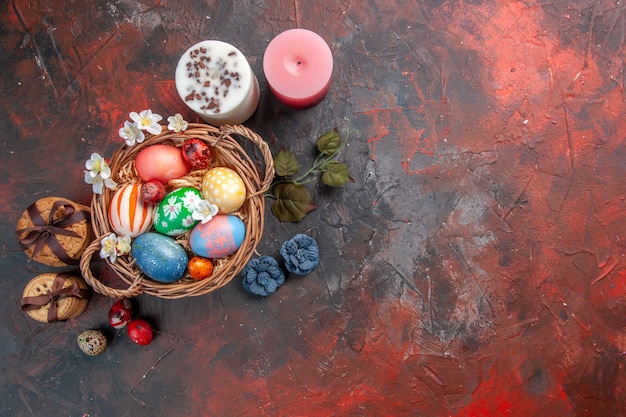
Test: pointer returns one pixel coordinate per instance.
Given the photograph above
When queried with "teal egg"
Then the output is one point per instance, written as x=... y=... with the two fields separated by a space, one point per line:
x=173 y=217
x=159 y=257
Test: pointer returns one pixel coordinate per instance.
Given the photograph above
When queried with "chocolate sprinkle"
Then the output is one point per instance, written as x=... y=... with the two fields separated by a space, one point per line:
x=216 y=79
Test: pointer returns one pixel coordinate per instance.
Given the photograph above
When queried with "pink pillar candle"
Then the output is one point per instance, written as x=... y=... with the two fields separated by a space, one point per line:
x=298 y=66
x=215 y=80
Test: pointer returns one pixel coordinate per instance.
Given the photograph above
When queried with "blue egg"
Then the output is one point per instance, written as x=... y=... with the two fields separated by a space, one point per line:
x=159 y=257
x=219 y=237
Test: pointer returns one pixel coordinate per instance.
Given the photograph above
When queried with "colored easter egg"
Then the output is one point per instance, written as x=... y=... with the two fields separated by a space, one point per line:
x=121 y=313
x=160 y=162
x=152 y=192
x=92 y=342
x=224 y=187
x=129 y=215
x=200 y=268
x=173 y=217
x=159 y=257
x=196 y=153
x=219 y=237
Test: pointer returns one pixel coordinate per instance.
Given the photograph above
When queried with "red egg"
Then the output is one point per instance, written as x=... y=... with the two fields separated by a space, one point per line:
x=160 y=162
x=196 y=153
x=140 y=332
x=120 y=313
x=152 y=192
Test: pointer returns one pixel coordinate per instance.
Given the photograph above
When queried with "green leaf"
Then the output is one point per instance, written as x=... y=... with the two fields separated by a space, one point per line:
x=286 y=164
x=329 y=143
x=293 y=202
x=336 y=174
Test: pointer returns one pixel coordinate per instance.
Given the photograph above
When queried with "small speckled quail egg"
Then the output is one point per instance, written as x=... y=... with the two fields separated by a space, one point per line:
x=92 y=342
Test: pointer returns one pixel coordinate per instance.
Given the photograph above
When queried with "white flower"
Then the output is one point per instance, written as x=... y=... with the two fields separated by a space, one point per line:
x=190 y=199
x=176 y=123
x=188 y=221
x=114 y=246
x=97 y=165
x=122 y=246
x=204 y=211
x=131 y=133
x=98 y=183
x=172 y=208
x=109 y=247
x=146 y=120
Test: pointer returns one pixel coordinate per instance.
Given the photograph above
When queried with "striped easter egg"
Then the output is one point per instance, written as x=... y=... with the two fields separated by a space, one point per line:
x=128 y=214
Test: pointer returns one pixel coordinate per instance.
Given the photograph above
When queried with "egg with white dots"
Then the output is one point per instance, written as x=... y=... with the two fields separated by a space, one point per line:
x=223 y=187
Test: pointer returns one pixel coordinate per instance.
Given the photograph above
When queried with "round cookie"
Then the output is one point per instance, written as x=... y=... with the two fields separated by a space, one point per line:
x=67 y=291
x=55 y=231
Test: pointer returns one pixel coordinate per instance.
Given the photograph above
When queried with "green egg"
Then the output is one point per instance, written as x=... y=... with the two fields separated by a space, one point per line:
x=173 y=217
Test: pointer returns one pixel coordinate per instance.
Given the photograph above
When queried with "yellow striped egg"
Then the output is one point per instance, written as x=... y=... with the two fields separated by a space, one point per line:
x=128 y=214
x=224 y=187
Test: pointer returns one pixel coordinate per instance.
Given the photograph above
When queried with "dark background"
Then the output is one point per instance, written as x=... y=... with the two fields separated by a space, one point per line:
x=475 y=267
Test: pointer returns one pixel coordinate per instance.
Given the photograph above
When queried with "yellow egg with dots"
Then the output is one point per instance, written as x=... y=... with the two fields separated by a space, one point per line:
x=223 y=187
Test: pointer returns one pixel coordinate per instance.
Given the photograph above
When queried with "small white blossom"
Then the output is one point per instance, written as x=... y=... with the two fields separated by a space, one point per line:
x=131 y=133
x=122 y=246
x=109 y=249
x=146 y=120
x=98 y=166
x=98 y=183
x=114 y=246
x=190 y=199
x=188 y=221
x=172 y=208
x=204 y=211
x=176 y=123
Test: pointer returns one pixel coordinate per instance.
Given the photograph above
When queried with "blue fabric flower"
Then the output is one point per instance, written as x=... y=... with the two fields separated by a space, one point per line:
x=262 y=276
x=301 y=254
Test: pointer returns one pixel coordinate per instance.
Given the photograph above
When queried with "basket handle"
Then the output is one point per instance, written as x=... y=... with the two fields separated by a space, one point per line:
x=268 y=159
x=132 y=291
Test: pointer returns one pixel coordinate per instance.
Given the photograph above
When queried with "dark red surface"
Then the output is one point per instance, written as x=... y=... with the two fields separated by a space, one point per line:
x=474 y=268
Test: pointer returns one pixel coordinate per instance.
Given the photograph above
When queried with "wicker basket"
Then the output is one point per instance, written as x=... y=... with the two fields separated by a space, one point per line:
x=226 y=150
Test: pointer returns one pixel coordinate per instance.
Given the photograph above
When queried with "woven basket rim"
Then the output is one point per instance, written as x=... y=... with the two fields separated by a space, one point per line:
x=226 y=150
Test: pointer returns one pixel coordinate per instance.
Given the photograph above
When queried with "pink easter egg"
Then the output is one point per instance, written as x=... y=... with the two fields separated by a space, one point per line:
x=129 y=215
x=161 y=162
x=219 y=237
